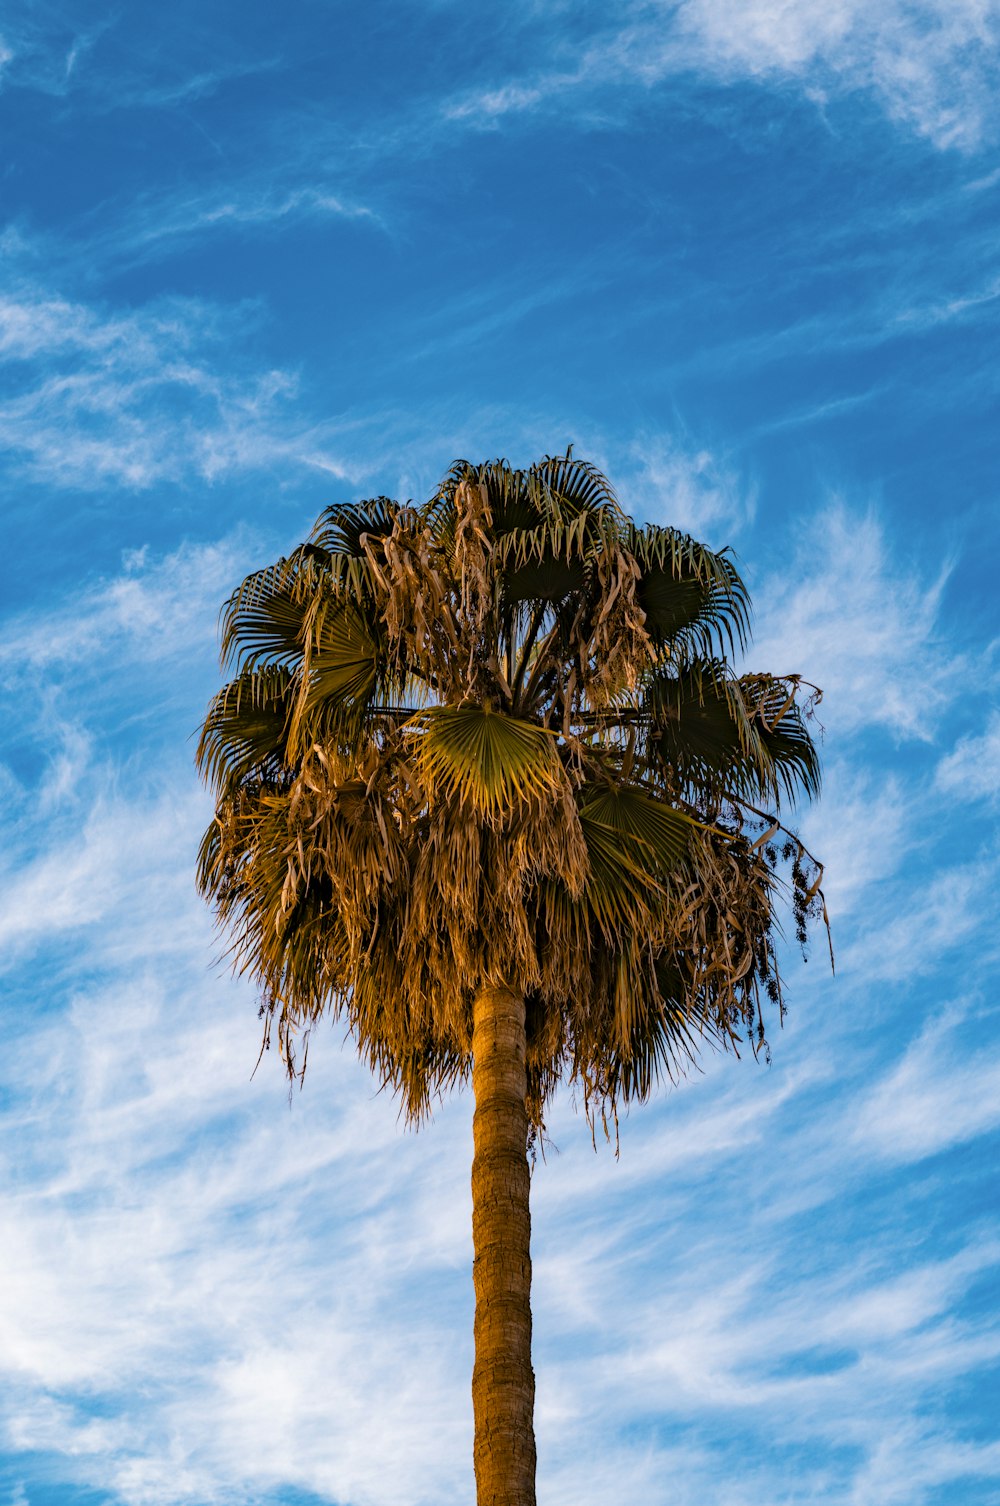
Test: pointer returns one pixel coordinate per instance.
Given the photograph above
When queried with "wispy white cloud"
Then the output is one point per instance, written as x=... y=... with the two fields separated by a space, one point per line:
x=151 y=93
x=844 y=1352
x=85 y=878
x=912 y=299
x=945 y=1090
x=909 y=1463
x=713 y=1348
x=95 y=398
x=135 y=1216
x=492 y=104
x=912 y=936
x=186 y=1237
x=931 y=64
x=862 y=829
x=154 y=610
x=156 y=1251
x=79 y=847
x=157 y=225
x=844 y=608
x=76 y=58
x=972 y=769
x=668 y=480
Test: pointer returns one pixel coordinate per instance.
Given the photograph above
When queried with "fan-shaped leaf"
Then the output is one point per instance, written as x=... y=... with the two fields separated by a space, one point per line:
x=492 y=762
x=344 y=662
x=246 y=726
x=544 y=579
x=715 y=733
x=662 y=831
x=623 y=886
x=263 y=620
x=690 y=594
x=340 y=528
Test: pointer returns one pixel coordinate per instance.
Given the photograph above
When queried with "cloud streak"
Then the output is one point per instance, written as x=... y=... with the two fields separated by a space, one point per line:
x=90 y=399
x=931 y=66
x=863 y=625
x=972 y=769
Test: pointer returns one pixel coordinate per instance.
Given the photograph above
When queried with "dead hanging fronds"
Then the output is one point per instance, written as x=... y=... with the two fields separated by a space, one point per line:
x=615 y=646
x=473 y=549
x=498 y=737
x=783 y=848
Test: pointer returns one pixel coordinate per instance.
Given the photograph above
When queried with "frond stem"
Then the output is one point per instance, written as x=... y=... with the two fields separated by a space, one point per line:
x=537 y=618
x=539 y=666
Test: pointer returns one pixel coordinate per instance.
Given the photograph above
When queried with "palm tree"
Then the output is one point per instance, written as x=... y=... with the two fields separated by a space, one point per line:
x=488 y=789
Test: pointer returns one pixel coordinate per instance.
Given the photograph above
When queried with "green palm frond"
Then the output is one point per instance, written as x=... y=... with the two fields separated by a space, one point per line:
x=573 y=486
x=544 y=521
x=335 y=559
x=664 y=1041
x=510 y=501
x=715 y=733
x=262 y=620
x=490 y=762
x=344 y=662
x=340 y=675
x=780 y=726
x=246 y=727
x=544 y=576
x=620 y=893
x=340 y=529
x=556 y=490
x=632 y=850
x=693 y=598
x=661 y=831
x=566 y=540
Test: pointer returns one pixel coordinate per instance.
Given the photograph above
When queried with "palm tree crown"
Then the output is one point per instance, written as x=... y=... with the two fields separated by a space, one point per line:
x=497 y=739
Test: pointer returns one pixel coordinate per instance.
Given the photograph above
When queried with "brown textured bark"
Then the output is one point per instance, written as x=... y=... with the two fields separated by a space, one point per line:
x=503 y=1382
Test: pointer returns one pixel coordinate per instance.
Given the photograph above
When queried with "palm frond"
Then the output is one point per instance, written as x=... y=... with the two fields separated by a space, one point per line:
x=714 y=732
x=662 y=831
x=340 y=529
x=245 y=728
x=620 y=894
x=491 y=762
x=779 y=724
x=572 y=486
x=262 y=620
x=511 y=506
x=542 y=577
x=624 y=886
x=693 y=597
x=340 y=674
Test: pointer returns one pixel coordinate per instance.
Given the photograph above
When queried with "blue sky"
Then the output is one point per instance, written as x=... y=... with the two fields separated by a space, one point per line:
x=256 y=259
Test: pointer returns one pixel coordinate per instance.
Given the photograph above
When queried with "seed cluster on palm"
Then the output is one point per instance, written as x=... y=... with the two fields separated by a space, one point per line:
x=490 y=754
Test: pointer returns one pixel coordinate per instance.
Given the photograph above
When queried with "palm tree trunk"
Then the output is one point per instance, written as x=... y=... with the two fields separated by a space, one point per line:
x=503 y=1382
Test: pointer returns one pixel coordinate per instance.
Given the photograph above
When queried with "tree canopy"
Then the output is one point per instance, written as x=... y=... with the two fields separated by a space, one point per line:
x=500 y=737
